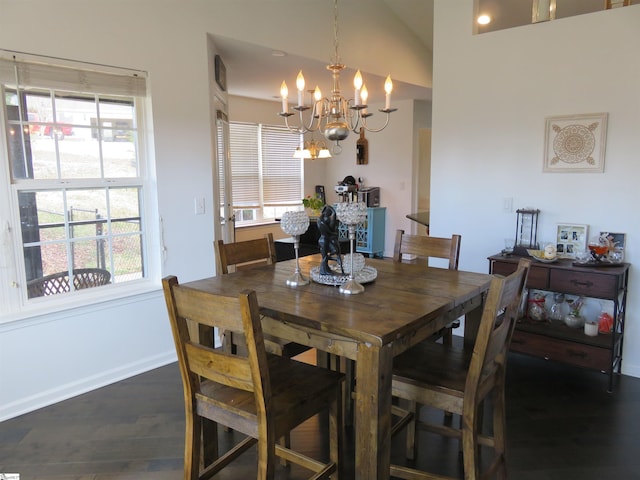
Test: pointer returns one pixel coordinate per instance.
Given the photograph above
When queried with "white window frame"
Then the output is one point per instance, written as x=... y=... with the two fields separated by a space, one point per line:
x=13 y=294
x=258 y=205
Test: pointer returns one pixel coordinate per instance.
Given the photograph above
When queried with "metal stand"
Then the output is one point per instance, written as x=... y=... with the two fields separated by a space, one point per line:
x=297 y=279
x=351 y=287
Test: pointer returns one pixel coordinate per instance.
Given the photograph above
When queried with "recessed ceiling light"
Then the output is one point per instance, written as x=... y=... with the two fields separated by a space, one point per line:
x=484 y=19
x=278 y=53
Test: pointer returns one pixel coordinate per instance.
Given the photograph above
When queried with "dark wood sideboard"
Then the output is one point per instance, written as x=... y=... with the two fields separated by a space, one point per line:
x=558 y=342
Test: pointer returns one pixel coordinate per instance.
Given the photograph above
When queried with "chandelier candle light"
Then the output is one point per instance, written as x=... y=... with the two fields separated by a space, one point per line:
x=336 y=115
x=295 y=223
x=351 y=214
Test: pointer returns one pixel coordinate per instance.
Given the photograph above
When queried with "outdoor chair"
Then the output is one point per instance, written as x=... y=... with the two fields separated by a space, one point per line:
x=60 y=283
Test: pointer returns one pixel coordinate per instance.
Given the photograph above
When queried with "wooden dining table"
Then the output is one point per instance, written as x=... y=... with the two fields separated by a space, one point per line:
x=405 y=304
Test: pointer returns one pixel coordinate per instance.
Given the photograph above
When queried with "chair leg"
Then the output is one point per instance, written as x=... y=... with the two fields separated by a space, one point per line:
x=412 y=426
x=447 y=336
x=285 y=442
x=266 y=450
x=209 y=441
x=470 y=448
x=192 y=445
x=334 y=362
x=499 y=431
x=348 y=391
x=336 y=435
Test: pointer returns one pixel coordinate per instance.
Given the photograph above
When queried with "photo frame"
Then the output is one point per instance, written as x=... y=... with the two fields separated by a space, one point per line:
x=618 y=239
x=575 y=143
x=220 y=73
x=570 y=239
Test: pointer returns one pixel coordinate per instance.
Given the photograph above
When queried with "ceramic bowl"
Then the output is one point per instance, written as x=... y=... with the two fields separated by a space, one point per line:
x=574 y=321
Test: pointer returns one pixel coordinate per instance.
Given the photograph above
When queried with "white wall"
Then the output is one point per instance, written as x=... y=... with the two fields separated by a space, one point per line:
x=50 y=357
x=492 y=93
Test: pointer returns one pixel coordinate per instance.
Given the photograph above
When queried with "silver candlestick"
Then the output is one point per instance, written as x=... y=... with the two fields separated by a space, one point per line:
x=295 y=223
x=351 y=214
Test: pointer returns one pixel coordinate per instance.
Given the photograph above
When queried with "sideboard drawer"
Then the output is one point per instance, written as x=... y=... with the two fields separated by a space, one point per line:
x=538 y=276
x=562 y=351
x=584 y=283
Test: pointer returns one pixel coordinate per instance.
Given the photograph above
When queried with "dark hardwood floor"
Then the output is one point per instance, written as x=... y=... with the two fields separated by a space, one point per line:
x=562 y=425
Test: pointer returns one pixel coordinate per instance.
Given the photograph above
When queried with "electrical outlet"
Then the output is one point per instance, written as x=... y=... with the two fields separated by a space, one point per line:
x=507 y=204
x=199 y=205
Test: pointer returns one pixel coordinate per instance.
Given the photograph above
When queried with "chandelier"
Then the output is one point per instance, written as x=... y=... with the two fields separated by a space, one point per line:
x=312 y=150
x=335 y=116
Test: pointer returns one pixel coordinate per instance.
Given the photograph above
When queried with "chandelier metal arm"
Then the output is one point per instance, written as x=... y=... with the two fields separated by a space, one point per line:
x=315 y=117
x=361 y=120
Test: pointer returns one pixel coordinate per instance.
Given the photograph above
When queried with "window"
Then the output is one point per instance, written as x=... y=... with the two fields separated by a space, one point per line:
x=266 y=179
x=76 y=183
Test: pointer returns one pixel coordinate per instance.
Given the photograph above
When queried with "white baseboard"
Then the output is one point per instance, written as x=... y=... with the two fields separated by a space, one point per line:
x=69 y=390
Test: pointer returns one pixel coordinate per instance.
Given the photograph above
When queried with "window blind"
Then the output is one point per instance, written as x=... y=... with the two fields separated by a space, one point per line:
x=56 y=77
x=245 y=166
x=281 y=172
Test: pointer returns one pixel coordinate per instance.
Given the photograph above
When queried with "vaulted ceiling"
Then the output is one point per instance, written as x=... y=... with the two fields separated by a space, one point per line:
x=253 y=71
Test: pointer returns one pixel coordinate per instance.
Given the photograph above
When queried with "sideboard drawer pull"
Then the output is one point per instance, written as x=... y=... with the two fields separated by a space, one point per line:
x=582 y=284
x=576 y=353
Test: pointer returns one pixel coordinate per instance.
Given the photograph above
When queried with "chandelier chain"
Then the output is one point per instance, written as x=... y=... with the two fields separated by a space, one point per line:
x=336 y=56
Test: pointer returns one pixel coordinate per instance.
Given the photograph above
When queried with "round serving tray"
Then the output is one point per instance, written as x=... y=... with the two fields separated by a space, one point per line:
x=366 y=275
x=545 y=260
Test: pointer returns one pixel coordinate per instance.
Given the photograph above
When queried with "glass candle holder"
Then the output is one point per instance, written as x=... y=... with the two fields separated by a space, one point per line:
x=295 y=223
x=351 y=214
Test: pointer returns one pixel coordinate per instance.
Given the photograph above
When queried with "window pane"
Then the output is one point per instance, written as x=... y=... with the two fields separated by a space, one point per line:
x=126 y=233
x=79 y=156
x=119 y=154
x=88 y=253
x=75 y=110
x=86 y=210
x=127 y=257
x=117 y=122
x=54 y=259
x=125 y=207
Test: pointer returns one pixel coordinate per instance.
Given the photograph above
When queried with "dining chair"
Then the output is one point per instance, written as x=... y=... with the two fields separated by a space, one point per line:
x=422 y=248
x=458 y=380
x=245 y=254
x=248 y=254
x=263 y=396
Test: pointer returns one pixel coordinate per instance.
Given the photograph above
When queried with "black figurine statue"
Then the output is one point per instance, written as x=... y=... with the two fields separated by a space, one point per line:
x=328 y=242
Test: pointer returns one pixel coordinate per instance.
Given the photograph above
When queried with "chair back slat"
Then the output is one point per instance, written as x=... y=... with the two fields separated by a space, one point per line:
x=219 y=366
x=428 y=247
x=249 y=252
x=198 y=306
x=496 y=326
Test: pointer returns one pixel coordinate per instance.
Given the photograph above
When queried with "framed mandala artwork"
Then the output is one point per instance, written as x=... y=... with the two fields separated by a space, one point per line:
x=575 y=143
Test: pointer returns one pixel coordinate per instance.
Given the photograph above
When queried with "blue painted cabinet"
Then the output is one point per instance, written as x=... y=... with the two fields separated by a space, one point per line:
x=369 y=234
